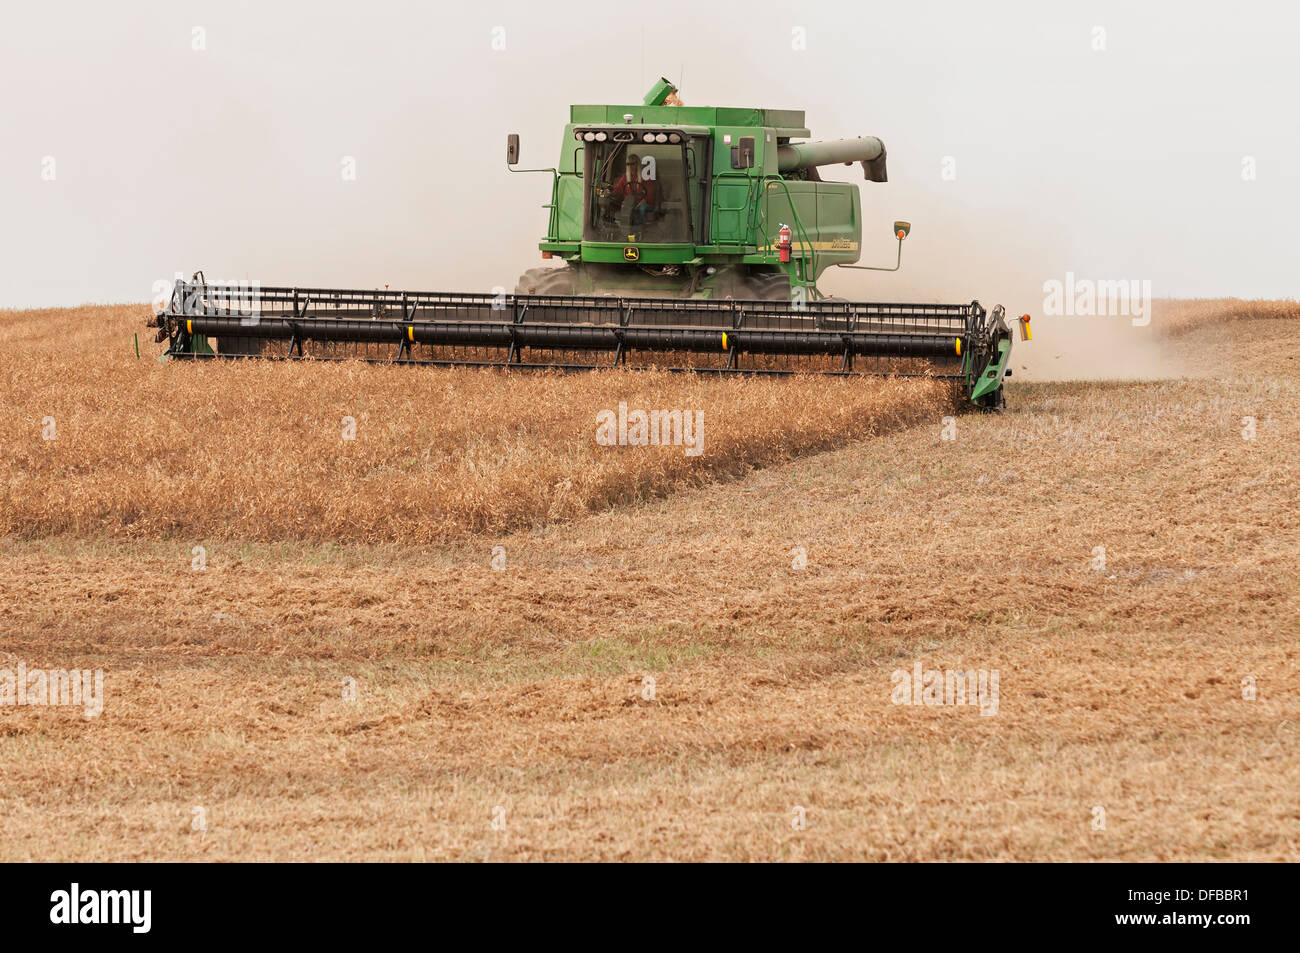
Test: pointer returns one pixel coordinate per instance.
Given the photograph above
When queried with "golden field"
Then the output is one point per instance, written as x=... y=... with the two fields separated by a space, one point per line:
x=255 y=450
x=648 y=676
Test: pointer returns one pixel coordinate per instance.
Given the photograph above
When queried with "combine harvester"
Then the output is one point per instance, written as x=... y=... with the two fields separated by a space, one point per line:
x=692 y=238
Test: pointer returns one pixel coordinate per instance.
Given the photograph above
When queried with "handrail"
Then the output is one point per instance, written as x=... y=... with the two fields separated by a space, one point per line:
x=800 y=230
x=553 y=221
x=898 y=264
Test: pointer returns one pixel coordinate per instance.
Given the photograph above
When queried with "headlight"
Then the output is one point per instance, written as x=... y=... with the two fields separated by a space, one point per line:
x=589 y=136
x=662 y=137
x=649 y=137
x=601 y=137
x=674 y=138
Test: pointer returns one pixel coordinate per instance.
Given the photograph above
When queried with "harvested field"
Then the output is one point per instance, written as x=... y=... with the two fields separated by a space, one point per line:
x=649 y=676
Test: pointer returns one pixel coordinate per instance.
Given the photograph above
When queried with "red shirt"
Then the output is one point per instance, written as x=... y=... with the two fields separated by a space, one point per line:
x=641 y=189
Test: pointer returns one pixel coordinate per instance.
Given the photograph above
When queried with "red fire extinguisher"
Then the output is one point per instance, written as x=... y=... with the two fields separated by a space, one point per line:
x=783 y=244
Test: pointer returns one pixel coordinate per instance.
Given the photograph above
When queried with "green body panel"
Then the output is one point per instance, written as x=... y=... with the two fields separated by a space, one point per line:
x=569 y=204
x=784 y=122
x=830 y=213
x=671 y=254
x=193 y=344
x=989 y=382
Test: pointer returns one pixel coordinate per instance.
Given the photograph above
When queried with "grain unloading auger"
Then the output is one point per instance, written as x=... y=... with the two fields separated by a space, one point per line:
x=690 y=238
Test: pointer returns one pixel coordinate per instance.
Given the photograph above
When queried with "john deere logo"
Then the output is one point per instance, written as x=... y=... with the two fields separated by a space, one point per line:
x=631 y=253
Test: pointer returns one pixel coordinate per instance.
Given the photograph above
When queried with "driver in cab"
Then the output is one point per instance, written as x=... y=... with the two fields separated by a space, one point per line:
x=631 y=183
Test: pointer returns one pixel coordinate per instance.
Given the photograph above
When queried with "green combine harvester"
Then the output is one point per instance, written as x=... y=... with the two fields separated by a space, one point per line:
x=682 y=237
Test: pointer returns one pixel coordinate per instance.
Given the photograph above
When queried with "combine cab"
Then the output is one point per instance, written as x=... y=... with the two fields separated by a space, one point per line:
x=688 y=238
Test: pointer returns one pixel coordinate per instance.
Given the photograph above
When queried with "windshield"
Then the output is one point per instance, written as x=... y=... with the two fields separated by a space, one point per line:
x=636 y=192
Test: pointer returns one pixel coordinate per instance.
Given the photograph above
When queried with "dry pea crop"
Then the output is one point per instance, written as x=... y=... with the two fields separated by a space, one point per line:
x=101 y=443
x=1177 y=317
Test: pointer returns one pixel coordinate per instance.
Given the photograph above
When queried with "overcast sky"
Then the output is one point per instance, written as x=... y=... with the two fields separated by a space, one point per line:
x=1113 y=140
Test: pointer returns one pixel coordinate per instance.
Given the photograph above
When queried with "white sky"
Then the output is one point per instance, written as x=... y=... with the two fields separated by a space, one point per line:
x=1119 y=164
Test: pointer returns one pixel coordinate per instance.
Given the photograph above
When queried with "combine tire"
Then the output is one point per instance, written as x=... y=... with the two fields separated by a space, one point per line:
x=547 y=281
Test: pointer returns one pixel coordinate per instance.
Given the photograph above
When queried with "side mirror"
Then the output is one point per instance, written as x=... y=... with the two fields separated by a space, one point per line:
x=747 y=152
x=742 y=154
x=901 y=229
x=512 y=148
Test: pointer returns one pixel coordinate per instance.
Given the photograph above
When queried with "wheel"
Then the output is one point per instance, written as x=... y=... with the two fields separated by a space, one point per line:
x=547 y=281
x=768 y=285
